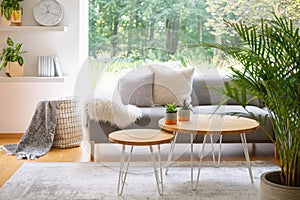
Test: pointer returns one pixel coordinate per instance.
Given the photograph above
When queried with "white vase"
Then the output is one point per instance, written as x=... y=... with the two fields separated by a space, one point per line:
x=14 y=69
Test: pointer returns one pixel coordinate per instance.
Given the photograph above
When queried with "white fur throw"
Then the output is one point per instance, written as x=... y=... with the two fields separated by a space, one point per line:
x=108 y=111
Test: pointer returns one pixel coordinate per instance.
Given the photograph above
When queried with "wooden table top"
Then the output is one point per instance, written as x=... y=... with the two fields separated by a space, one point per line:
x=212 y=124
x=141 y=137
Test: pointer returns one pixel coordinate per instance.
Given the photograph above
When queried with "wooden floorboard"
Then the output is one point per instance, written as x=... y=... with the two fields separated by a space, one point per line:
x=9 y=164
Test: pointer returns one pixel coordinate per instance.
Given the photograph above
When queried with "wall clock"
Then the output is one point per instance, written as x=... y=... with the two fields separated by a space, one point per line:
x=48 y=12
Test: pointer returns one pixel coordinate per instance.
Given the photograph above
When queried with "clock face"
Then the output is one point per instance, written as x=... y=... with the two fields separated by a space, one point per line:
x=48 y=12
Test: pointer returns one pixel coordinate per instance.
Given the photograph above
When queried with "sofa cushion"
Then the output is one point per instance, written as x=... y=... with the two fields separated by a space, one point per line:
x=170 y=85
x=205 y=91
x=136 y=89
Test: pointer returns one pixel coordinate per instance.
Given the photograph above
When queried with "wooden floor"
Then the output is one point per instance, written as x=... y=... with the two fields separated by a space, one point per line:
x=109 y=152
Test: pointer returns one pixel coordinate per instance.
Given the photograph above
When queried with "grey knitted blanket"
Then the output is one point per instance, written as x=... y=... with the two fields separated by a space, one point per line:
x=38 y=138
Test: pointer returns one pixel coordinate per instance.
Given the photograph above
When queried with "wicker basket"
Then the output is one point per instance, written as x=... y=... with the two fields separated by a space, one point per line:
x=69 y=125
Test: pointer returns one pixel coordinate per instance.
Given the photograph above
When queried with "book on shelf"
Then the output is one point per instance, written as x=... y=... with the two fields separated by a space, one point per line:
x=58 y=68
x=49 y=66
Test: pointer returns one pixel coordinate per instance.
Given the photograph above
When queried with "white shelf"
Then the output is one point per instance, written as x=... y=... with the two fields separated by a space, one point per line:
x=31 y=79
x=33 y=28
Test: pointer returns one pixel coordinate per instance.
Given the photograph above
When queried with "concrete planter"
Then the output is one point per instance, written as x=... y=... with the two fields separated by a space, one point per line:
x=14 y=69
x=184 y=115
x=271 y=189
x=171 y=118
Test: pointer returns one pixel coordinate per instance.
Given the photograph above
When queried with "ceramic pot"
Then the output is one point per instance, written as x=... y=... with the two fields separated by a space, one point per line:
x=184 y=115
x=271 y=188
x=14 y=69
x=171 y=118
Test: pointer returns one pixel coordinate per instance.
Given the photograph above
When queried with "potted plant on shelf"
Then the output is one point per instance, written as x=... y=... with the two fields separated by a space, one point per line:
x=184 y=112
x=270 y=58
x=11 y=12
x=171 y=114
x=11 y=59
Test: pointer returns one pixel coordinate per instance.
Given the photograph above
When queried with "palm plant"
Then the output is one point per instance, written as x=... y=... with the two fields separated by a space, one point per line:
x=270 y=58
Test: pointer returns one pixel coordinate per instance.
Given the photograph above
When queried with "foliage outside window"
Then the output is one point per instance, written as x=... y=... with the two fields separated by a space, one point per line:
x=134 y=31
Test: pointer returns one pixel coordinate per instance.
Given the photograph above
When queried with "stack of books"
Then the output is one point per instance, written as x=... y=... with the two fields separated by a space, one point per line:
x=49 y=66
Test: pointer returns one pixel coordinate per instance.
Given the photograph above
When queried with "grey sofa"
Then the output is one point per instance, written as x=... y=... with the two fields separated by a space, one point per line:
x=204 y=100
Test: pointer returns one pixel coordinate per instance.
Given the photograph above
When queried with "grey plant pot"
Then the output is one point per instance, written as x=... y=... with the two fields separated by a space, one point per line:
x=171 y=118
x=184 y=115
x=271 y=189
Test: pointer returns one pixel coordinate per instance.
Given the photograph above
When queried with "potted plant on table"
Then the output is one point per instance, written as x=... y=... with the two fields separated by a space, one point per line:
x=11 y=59
x=270 y=58
x=11 y=12
x=184 y=112
x=171 y=114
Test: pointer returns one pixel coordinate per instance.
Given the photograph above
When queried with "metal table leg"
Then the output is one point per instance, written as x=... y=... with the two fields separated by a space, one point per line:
x=213 y=150
x=123 y=171
x=158 y=175
x=246 y=152
x=171 y=153
x=199 y=165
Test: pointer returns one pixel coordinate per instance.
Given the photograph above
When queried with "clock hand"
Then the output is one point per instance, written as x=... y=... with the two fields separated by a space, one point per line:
x=53 y=14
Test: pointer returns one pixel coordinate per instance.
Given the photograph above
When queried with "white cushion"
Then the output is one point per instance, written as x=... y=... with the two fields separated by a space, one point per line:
x=171 y=85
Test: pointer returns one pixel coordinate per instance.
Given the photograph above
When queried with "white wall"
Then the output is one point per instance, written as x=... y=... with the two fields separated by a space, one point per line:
x=18 y=100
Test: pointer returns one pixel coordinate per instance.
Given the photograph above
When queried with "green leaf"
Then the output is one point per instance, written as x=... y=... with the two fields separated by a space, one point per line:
x=18 y=47
x=20 y=61
x=10 y=42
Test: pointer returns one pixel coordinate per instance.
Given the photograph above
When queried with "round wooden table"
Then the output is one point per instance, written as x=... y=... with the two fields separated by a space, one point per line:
x=209 y=125
x=140 y=137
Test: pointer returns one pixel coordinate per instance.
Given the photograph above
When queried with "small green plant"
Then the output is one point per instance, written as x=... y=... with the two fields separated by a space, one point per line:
x=8 y=6
x=185 y=105
x=11 y=53
x=171 y=108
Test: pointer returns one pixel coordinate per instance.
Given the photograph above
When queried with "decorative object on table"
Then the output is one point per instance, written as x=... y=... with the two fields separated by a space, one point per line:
x=171 y=113
x=269 y=54
x=55 y=123
x=11 y=12
x=11 y=59
x=184 y=112
x=48 y=12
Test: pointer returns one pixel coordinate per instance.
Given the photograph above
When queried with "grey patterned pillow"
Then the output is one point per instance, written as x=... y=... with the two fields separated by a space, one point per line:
x=136 y=89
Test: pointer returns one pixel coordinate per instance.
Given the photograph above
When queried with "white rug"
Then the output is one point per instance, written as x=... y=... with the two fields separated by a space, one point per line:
x=40 y=180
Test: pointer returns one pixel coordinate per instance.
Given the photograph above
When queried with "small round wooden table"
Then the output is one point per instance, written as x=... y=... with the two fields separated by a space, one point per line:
x=211 y=125
x=140 y=137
